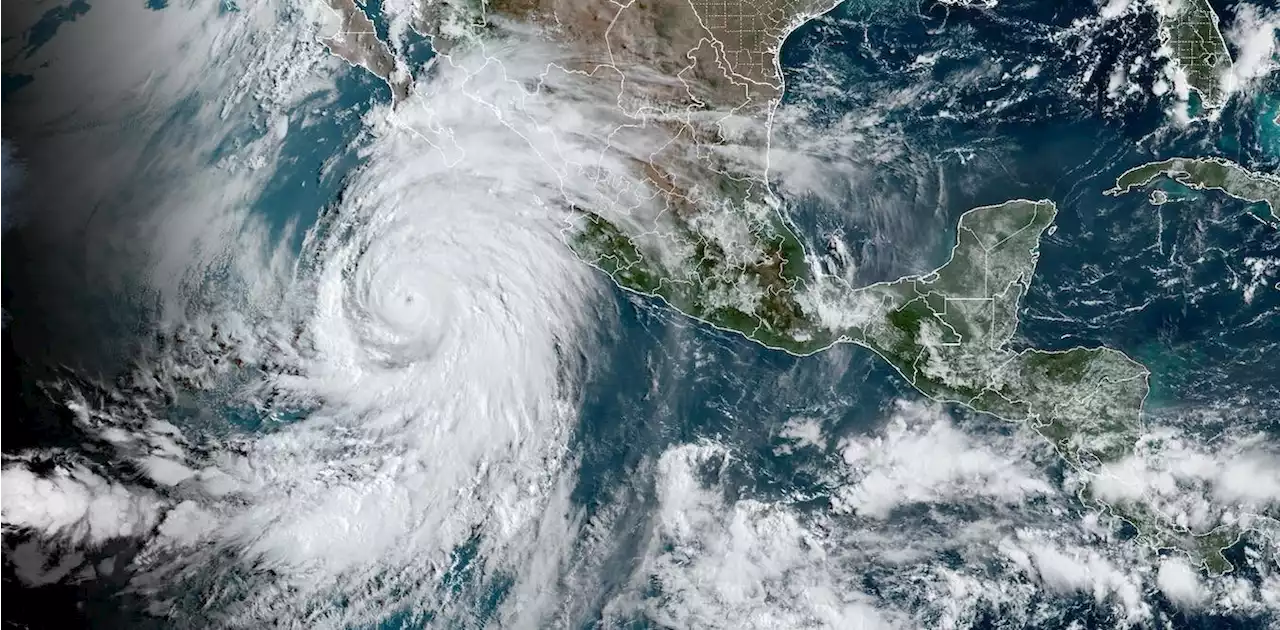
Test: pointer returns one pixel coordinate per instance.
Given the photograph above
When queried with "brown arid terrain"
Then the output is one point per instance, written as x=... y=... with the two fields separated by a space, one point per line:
x=690 y=87
x=357 y=42
x=725 y=52
x=665 y=57
x=672 y=104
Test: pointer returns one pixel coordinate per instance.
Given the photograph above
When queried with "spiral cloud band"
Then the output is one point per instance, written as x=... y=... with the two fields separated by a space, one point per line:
x=430 y=338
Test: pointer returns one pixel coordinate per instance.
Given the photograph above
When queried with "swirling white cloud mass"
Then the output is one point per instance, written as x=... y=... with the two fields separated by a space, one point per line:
x=415 y=357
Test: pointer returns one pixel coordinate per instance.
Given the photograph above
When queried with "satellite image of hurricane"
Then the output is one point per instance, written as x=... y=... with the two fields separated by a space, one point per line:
x=641 y=314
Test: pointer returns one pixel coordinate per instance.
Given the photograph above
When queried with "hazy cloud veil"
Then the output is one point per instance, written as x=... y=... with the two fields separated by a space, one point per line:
x=9 y=176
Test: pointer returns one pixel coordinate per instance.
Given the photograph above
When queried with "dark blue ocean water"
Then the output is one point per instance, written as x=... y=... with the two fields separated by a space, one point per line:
x=1155 y=282
x=1159 y=282
x=1162 y=283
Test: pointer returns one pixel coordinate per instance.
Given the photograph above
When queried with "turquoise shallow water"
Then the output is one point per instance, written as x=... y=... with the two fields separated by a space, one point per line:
x=1159 y=283
x=1151 y=281
x=1163 y=284
x=317 y=157
x=1268 y=123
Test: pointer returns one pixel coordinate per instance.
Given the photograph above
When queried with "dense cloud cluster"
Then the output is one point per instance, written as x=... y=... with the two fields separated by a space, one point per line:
x=414 y=362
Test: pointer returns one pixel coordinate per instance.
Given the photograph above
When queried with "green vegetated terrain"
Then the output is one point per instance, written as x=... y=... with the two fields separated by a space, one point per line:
x=948 y=332
x=1190 y=29
x=1210 y=174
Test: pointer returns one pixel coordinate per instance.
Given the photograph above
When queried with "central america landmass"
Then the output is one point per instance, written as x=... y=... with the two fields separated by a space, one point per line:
x=947 y=332
x=708 y=237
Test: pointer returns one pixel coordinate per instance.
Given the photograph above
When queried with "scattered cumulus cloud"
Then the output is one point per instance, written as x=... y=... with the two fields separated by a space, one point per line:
x=1262 y=271
x=1191 y=484
x=75 y=504
x=1254 y=33
x=737 y=564
x=1180 y=582
x=1077 y=570
x=801 y=432
x=921 y=457
x=1115 y=8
